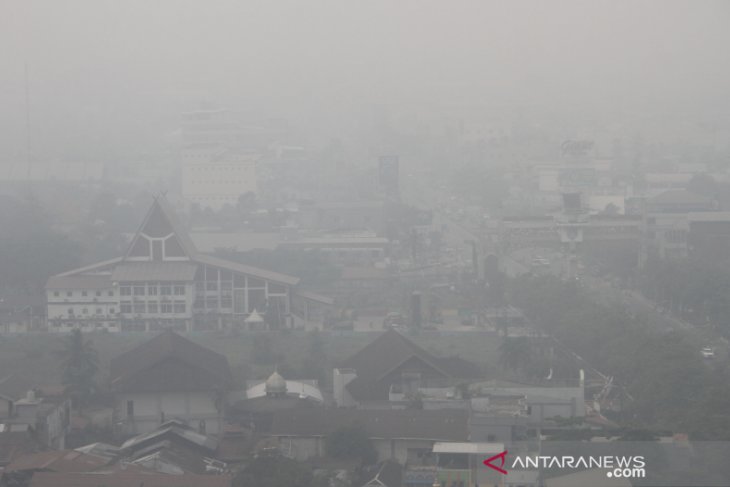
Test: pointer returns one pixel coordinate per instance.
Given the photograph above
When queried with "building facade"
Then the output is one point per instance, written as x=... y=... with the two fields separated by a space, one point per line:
x=164 y=282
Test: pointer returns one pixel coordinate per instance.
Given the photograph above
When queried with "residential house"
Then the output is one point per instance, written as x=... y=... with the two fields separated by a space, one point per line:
x=393 y=364
x=169 y=377
x=127 y=479
x=404 y=436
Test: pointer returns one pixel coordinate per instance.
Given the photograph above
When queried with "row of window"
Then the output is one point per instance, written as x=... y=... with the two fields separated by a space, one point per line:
x=152 y=290
x=85 y=311
x=153 y=307
x=70 y=294
x=221 y=168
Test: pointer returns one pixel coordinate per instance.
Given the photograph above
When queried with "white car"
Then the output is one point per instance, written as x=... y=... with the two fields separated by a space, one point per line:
x=708 y=352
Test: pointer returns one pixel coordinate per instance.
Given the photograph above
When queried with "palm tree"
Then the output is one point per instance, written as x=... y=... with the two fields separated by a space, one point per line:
x=79 y=363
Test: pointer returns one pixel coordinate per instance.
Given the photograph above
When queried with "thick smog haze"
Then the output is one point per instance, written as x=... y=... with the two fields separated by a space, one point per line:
x=124 y=68
x=378 y=243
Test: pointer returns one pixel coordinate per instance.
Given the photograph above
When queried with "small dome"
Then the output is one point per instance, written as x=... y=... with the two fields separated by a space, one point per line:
x=275 y=384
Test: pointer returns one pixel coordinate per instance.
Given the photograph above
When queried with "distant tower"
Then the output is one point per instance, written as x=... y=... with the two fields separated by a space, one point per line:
x=389 y=176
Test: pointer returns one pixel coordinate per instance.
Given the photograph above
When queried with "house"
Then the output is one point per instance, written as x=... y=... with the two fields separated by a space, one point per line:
x=21 y=314
x=22 y=408
x=169 y=377
x=400 y=435
x=173 y=448
x=393 y=364
x=164 y=282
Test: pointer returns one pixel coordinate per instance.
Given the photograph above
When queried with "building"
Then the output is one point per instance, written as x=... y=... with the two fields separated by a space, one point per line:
x=392 y=364
x=164 y=282
x=46 y=419
x=214 y=176
x=405 y=436
x=169 y=377
x=127 y=479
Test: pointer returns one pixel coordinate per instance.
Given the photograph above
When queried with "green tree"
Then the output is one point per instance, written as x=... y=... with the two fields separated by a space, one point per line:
x=349 y=443
x=515 y=353
x=274 y=471
x=79 y=364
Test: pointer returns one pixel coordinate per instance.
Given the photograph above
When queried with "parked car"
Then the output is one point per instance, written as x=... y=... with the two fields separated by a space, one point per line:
x=708 y=352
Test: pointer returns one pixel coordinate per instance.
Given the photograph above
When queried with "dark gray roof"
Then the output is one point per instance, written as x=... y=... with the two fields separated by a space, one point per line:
x=169 y=362
x=391 y=349
x=246 y=269
x=154 y=271
x=437 y=425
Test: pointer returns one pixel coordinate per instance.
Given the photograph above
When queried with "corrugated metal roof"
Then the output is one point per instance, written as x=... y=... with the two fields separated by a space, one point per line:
x=246 y=269
x=154 y=271
x=124 y=479
x=469 y=448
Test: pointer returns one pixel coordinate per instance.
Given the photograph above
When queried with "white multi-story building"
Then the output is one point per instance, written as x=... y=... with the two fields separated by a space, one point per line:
x=213 y=176
x=164 y=282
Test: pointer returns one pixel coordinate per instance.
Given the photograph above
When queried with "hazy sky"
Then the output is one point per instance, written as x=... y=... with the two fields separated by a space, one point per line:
x=109 y=71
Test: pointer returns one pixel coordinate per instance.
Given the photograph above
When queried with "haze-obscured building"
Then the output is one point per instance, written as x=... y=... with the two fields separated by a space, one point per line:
x=164 y=282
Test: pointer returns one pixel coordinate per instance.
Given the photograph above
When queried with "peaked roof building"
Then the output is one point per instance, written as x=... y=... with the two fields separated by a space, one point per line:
x=393 y=363
x=143 y=369
x=163 y=281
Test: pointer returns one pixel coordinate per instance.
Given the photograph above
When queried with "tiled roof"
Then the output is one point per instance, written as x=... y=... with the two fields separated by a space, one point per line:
x=124 y=479
x=57 y=461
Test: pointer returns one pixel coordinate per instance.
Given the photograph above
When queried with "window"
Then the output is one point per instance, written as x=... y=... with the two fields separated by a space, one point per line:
x=125 y=307
x=211 y=286
x=257 y=283
x=85 y=311
x=125 y=290
x=179 y=290
x=112 y=311
x=226 y=302
x=166 y=307
x=139 y=290
x=139 y=307
x=152 y=307
x=70 y=311
x=130 y=408
x=83 y=293
x=99 y=311
x=98 y=293
x=166 y=290
x=69 y=293
x=256 y=300
x=179 y=306
x=276 y=289
x=111 y=293
x=152 y=289
x=56 y=293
